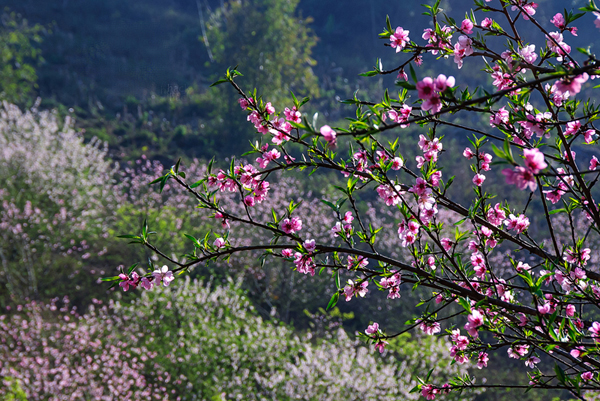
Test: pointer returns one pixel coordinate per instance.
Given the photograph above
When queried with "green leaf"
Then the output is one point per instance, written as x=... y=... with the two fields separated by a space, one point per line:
x=331 y=205
x=464 y=302
x=333 y=301
x=133 y=266
x=114 y=278
x=498 y=152
x=429 y=375
x=219 y=82
x=413 y=74
x=560 y=374
x=304 y=101
x=406 y=85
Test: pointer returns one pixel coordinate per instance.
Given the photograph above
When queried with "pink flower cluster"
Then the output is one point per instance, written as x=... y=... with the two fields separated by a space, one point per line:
x=462 y=49
x=400 y=116
x=524 y=177
x=245 y=178
x=429 y=91
x=343 y=228
x=460 y=344
x=399 y=39
x=438 y=43
x=392 y=283
x=355 y=288
x=279 y=127
x=159 y=275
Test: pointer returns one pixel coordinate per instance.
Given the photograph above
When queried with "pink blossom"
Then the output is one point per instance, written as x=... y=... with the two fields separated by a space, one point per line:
x=397 y=163
x=147 y=283
x=597 y=21
x=500 y=117
x=389 y=195
x=446 y=244
x=555 y=42
x=570 y=310
x=572 y=128
x=429 y=392
x=249 y=201
x=310 y=245
x=269 y=108
x=468 y=153
x=434 y=103
x=293 y=115
x=595 y=330
x=589 y=135
x=304 y=264
x=425 y=88
x=523 y=320
x=329 y=134
x=462 y=49
x=528 y=8
x=291 y=226
x=359 y=288
x=475 y=318
x=399 y=39
x=478 y=179
x=486 y=23
x=372 y=329
x=587 y=376
x=534 y=160
x=559 y=21
x=545 y=308
x=219 y=243
x=224 y=222
x=401 y=116
x=532 y=361
x=577 y=351
x=518 y=351
x=521 y=177
x=594 y=163
x=528 y=54
x=243 y=103
x=496 y=215
x=482 y=360
x=519 y=224
x=435 y=178
x=163 y=274
x=380 y=346
x=571 y=84
x=358 y=261
x=129 y=281
x=439 y=298
x=467 y=26
x=441 y=83
x=430 y=328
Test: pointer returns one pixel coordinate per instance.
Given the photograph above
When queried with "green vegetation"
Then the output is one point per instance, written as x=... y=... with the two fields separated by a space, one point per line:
x=20 y=55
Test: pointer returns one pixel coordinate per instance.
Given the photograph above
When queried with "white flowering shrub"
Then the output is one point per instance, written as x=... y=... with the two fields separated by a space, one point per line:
x=54 y=194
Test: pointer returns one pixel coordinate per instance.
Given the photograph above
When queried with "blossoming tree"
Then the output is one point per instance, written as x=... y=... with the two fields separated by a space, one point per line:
x=542 y=303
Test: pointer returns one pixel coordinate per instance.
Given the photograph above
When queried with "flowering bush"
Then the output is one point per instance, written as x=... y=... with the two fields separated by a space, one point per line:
x=54 y=189
x=495 y=281
x=194 y=341
x=214 y=337
x=53 y=353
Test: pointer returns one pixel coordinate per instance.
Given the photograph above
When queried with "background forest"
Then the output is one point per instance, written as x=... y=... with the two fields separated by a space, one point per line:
x=98 y=98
